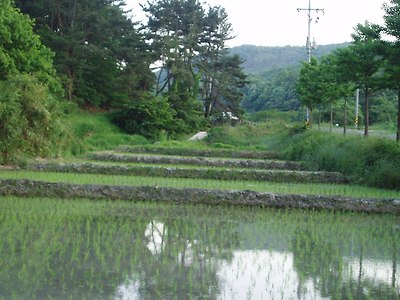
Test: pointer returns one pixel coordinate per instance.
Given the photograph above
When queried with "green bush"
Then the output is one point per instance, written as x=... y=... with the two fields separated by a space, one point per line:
x=148 y=117
x=29 y=119
x=383 y=173
x=297 y=128
x=371 y=161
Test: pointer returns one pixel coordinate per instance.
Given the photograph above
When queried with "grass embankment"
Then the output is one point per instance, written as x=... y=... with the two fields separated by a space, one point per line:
x=94 y=132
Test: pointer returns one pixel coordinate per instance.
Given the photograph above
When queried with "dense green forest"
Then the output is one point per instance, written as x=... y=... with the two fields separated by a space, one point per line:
x=172 y=74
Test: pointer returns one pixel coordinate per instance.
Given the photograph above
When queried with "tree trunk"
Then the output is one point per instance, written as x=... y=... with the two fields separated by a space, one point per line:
x=331 y=117
x=70 y=83
x=310 y=121
x=73 y=15
x=366 y=116
x=319 y=118
x=345 y=117
x=158 y=87
x=398 y=117
x=394 y=264
x=207 y=108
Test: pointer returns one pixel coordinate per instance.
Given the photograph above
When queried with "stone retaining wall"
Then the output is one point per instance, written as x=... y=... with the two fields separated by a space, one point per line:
x=29 y=188
x=227 y=153
x=196 y=161
x=217 y=174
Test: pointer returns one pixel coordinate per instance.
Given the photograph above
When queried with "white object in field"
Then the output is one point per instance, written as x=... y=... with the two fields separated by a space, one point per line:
x=199 y=136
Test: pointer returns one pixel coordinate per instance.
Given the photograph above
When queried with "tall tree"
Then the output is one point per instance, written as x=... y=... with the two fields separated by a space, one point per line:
x=334 y=87
x=174 y=27
x=362 y=62
x=98 y=50
x=310 y=86
x=191 y=45
x=223 y=91
x=222 y=77
x=392 y=68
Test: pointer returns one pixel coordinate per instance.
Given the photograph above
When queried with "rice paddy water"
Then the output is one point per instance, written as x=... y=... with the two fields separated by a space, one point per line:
x=85 y=249
x=82 y=249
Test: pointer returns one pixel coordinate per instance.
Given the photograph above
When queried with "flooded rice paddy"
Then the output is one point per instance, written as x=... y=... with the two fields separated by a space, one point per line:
x=81 y=249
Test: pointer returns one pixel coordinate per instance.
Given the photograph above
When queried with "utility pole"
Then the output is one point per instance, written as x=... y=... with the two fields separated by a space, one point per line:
x=356 y=111
x=310 y=46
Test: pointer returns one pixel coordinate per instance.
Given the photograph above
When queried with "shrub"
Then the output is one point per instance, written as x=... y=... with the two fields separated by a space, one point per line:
x=372 y=161
x=29 y=119
x=147 y=117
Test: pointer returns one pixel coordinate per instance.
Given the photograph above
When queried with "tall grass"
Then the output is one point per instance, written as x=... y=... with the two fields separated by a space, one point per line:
x=94 y=131
x=262 y=136
x=370 y=161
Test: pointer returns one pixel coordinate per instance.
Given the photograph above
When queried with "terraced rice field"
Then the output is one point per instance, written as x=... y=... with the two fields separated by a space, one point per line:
x=257 y=178
x=152 y=249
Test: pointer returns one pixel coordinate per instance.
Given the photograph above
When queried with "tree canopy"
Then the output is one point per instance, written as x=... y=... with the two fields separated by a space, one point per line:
x=28 y=89
x=100 y=55
x=21 y=51
x=190 y=43
x=392 y=67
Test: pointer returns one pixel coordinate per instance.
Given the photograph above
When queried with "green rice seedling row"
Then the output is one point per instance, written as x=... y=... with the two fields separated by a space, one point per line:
x=279 y=188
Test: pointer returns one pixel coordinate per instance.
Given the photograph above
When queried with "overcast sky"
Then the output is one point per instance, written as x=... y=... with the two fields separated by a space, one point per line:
x=278 y=23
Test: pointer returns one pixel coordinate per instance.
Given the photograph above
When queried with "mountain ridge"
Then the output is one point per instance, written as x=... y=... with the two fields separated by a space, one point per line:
x=259 y=59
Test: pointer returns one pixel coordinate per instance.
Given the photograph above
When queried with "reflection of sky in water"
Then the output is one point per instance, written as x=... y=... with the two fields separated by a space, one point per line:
x=262 y=274
x=154 y=234
x=373 y=270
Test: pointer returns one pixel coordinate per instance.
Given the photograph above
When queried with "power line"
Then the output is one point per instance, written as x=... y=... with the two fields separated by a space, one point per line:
x=310 y=46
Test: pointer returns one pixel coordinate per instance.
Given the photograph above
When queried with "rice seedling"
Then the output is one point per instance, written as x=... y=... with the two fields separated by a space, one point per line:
x=279 y=188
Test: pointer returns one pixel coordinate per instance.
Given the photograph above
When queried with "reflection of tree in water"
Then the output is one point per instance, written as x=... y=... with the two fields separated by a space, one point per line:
x=182 y=258
x=319 y=256
x=90 y=254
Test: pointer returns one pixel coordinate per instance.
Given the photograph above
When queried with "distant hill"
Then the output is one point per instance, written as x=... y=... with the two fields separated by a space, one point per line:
x=273 y=73
x=260 y=59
